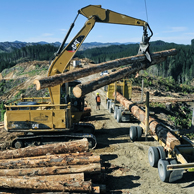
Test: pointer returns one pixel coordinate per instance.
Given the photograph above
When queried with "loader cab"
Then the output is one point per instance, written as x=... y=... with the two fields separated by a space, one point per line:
x=67 y=96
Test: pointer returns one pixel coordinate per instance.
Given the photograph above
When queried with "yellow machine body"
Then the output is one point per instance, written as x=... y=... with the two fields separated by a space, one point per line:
x=58 y=114
x=124 y=87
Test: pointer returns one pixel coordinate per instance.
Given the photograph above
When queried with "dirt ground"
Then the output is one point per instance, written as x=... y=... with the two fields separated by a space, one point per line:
x=129 y=170
x=128 y=166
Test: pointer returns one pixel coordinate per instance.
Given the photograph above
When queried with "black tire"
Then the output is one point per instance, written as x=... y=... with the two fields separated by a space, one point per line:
x=139 y=132
x=91 y=143
x=119 y=115
x=110 y=107
x=162 y=153
x=133 y=133
x=115 y=112
x=162 y=170
x=153 y=156
x=107 y=104
x=18 y=144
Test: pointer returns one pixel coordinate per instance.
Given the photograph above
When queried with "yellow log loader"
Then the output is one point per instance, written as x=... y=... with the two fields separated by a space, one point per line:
x=57 y=118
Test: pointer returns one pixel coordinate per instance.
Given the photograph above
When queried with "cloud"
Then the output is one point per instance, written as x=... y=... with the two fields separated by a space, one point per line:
x=176 y=29
x=47 y=34
x=63 y=31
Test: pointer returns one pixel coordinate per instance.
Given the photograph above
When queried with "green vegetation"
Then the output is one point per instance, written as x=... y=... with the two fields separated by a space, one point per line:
x=164 y=84
x=2 y=111
x=180 y=67
x=28 y=53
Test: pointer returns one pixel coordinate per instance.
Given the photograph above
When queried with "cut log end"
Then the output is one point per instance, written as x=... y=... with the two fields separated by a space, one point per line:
x=77 y=91
x=37 y=83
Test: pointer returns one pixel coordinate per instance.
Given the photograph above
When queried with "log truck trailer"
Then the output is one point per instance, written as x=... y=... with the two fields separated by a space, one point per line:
x=58 y=120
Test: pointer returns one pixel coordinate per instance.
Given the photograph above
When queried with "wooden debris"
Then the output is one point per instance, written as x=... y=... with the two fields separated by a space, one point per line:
x=82 y=89
x=162 y=133
x=63 y=147
x=172 y=100
x=76 y=74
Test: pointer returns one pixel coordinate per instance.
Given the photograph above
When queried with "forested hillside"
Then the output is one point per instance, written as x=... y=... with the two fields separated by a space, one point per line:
x=180 y=67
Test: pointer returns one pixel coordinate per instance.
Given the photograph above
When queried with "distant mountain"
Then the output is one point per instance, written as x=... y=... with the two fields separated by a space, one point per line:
x=10 y=46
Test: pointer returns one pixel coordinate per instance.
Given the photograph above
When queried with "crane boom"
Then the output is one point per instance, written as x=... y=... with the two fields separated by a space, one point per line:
x=94 y=13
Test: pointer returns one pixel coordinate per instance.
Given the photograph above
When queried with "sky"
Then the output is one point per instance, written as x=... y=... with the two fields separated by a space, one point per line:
x=49 y=20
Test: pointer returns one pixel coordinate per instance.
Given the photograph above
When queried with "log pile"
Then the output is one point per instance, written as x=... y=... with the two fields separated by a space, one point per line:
x=67 y=166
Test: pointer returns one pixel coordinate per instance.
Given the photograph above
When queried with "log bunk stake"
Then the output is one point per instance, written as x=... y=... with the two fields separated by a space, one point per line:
x=67 y=166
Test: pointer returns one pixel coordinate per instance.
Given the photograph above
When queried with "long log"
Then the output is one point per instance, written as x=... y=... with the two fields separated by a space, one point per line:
x=49 y=162
x=72 y=182
x=156 y=128
x=64 y=147
x=55 y=156
x=83 y=89
x=55 y=170
x=92 y=69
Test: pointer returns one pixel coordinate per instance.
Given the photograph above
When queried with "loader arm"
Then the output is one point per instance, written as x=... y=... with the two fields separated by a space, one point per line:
x=94 y=13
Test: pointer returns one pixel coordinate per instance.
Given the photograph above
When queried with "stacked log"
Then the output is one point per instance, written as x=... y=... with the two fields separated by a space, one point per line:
x=156 y=128
x=66 y=166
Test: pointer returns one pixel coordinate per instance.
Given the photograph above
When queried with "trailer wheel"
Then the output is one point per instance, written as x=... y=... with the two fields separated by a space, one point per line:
x=119 y=115
x=133 y=133
x=107 y=104
x=161 y=152
x=110 y=107
x=153 y=156
x=115 y=112
x=162 y=170
x=139 y=132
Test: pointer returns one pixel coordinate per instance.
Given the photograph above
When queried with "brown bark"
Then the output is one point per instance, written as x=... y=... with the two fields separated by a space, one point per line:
x=55 y=156
x=76 y=74
x=83 y=89
x=72 y=182
x=64 y=147
x=89 y=168
x=49 y=162
x=163 y=133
